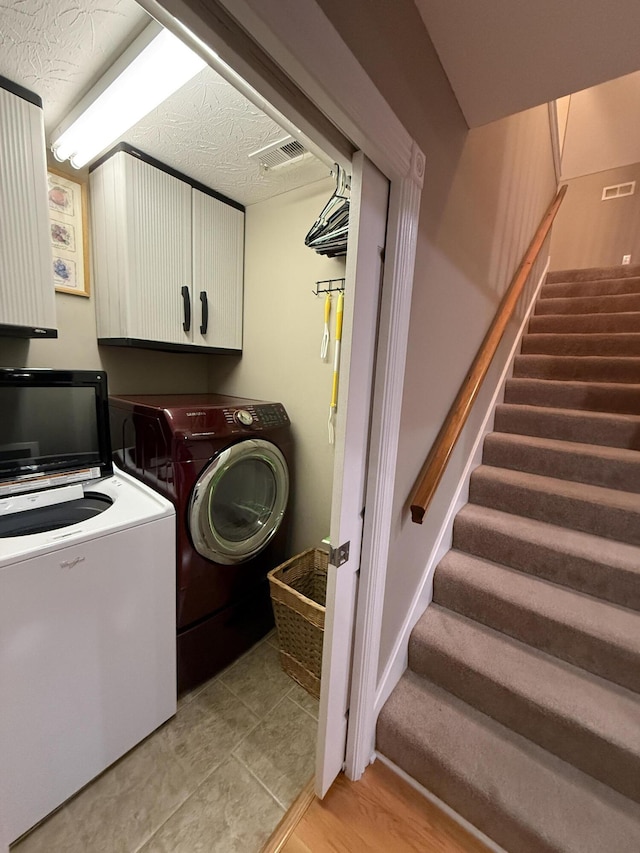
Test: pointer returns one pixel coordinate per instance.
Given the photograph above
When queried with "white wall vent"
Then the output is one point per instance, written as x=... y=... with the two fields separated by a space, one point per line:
x=281 y=153
x=618 y=190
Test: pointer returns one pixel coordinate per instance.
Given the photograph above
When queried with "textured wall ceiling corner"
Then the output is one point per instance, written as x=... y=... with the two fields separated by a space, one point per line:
x=502 y=57
x=206 y=130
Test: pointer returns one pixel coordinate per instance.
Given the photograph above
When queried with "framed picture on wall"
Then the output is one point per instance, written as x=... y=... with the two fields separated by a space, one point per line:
x=69 y=233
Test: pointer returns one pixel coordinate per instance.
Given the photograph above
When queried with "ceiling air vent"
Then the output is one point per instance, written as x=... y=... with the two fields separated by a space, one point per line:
x=618 y=190
x=281 y=153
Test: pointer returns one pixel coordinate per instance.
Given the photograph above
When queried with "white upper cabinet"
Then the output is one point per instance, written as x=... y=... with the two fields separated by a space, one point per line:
x=141 y=226
x=27 y=296
x=218 y=271
x=168 y=259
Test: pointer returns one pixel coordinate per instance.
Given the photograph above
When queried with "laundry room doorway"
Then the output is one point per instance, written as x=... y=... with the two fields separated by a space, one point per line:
x=258 y=40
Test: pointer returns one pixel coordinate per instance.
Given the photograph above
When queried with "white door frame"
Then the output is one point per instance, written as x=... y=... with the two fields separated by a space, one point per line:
x=301 y=40
x=368 y=216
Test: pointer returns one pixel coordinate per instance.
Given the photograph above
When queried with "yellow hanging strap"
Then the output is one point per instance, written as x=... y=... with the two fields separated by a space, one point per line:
x=336 y=368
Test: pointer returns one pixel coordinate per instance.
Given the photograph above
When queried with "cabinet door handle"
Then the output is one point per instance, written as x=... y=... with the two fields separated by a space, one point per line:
x=186 y=304
x=205 y=312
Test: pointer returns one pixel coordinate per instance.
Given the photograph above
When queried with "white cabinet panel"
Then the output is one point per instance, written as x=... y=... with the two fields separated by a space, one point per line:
x=218 y=267
x=158 y=218
x=27 y=297
x=109 y=249
x=168 y=259
x=141 y=220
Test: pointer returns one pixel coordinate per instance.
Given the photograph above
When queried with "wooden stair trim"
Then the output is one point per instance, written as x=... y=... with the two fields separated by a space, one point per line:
x=285 y=829
x=436 y=462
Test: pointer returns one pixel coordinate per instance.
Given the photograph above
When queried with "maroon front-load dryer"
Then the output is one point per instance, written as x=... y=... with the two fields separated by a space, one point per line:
x=225 y=462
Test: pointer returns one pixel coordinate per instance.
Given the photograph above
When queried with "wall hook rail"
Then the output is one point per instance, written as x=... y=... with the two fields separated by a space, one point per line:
x=331 y=285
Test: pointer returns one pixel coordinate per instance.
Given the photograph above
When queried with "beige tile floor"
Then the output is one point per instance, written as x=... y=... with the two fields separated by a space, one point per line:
x=217 y=777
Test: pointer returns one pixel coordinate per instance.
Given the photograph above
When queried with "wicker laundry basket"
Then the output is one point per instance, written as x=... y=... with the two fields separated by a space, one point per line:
x=298 y=595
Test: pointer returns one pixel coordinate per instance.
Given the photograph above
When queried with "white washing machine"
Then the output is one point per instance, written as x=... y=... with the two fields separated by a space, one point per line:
x=87 y=601
x=87 y=641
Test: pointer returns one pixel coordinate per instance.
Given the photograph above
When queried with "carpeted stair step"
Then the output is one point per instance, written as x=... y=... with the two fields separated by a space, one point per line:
x=525 y=798
x=574 y=714
x=593 y=509
x=578 y=368
x=621 y=344
x=595 y=635
x=611 y=467
x=611 y=430
x=584 y=562
x=594 y=273
x=596 y=287
x=568 y=324
x=611 y=397
x=521 y=704
x=588 y=304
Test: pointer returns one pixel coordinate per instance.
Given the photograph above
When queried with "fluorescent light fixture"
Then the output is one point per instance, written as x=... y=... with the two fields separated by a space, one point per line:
x=155 y=66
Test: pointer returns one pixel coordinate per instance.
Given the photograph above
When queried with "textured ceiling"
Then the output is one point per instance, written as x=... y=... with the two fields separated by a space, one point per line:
x=208 y=129
x=60 y=48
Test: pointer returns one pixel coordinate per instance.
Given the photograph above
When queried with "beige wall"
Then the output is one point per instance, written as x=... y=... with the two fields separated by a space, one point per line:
x=484 y=194
x=603 y=128
x=283 y=324
x=129 y=371
x=590 y=232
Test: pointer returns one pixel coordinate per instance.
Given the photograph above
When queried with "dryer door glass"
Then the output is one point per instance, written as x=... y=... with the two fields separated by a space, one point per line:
x=243 y=500
x=239 y=501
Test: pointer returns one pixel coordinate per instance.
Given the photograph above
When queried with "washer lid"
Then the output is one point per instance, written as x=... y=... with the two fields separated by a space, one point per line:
x=238 y=503
x=132 y=503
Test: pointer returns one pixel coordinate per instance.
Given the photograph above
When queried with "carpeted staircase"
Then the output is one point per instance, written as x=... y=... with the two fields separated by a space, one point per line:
x=521 y=704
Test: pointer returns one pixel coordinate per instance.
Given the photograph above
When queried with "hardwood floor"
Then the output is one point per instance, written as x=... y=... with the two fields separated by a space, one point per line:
x=379 y=814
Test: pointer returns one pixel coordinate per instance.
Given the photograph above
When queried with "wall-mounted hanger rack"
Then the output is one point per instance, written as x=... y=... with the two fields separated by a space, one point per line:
x=334 y=285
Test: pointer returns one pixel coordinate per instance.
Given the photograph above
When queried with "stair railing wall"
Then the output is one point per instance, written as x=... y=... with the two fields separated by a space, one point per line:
x=466 y=456
x=436 y=462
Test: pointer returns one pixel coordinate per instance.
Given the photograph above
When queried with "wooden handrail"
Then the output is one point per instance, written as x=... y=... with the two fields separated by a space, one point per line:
x=436 y=462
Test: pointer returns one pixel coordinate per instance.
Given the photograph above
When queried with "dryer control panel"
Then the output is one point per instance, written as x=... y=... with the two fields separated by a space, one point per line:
x=257 y=416
x=158 y=427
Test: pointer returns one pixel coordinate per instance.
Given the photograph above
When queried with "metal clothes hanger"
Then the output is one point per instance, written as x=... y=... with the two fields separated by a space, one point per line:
x=328 y=234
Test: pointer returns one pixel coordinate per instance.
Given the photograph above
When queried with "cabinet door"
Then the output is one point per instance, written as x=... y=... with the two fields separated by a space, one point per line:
x=218 y=266
x=158 y=222
x=27 y=304
x=141 y=227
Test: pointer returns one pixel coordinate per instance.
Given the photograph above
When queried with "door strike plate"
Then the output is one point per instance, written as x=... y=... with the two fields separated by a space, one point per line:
x=338 y=556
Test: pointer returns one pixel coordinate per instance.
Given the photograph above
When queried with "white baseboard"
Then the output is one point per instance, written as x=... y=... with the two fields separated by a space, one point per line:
x=469 y=827
x=399 y=657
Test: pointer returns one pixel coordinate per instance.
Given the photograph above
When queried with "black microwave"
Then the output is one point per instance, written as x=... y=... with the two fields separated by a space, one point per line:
x=54 y=428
